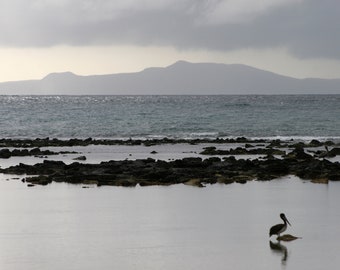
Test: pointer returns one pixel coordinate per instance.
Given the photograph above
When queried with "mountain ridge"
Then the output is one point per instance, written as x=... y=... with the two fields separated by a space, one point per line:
x=179 y=78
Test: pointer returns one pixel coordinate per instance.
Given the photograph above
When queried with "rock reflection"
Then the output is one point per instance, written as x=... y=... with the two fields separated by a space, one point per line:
x=279 y=248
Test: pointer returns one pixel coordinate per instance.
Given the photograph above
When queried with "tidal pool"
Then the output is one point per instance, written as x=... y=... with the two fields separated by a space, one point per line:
x=62 y=226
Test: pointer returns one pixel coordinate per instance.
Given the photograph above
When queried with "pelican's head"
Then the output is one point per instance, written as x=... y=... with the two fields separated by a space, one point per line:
x=283 y=217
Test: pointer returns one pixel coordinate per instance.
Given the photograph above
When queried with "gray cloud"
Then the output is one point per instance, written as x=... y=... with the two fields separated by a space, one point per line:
x=308 y=29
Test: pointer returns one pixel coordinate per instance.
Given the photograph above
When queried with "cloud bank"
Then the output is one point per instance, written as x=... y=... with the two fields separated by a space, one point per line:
x=306 y=28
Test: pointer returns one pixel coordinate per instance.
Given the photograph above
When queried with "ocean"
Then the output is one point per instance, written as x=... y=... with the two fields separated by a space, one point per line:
x=178 y=117
x=64 y=226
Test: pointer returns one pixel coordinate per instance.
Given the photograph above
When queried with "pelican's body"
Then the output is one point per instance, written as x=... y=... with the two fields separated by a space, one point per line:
x=279 y=228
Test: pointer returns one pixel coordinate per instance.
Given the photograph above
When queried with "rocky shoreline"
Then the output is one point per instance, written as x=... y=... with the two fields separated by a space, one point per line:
x=308 y=161
x=48 y=142
x=37 y=152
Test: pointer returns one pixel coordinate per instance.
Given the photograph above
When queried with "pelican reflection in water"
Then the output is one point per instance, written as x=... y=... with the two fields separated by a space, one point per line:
x=279 y=249
x=279 y=228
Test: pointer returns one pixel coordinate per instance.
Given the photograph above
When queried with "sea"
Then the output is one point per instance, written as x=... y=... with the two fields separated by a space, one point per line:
x=178 y=117
x=65 y=226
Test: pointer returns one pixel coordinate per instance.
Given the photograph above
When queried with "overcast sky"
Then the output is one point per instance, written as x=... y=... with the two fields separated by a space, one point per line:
x=299 y=38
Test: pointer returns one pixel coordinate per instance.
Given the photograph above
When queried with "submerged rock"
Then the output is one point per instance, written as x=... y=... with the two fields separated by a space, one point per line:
x=287 y=237
x=320 y=181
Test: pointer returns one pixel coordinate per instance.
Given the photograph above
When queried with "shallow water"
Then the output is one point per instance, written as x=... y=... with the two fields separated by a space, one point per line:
x=63 y=226
x=102 y=153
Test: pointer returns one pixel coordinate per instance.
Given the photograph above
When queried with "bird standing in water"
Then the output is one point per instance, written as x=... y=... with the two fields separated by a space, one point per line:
x=279 y=228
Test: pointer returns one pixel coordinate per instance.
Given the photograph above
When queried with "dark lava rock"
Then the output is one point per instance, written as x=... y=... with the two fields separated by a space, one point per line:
x=335 y=151
x=299 y=154
x=81 y=158
x=315 y=143
x=212 y=150
x=192 y=170
x=38 y=180
x=5 y=153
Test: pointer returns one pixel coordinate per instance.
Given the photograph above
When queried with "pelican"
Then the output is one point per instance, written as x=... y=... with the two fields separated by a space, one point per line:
x=279 y=228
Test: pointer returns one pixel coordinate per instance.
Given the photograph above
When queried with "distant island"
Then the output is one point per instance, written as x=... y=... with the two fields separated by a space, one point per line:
x=181 y=78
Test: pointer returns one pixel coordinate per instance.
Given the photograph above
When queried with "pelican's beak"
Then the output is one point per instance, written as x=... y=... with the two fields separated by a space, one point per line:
x=287 y=221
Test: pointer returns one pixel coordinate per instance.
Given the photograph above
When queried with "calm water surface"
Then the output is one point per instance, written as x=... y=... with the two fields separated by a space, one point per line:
x=63 y=226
